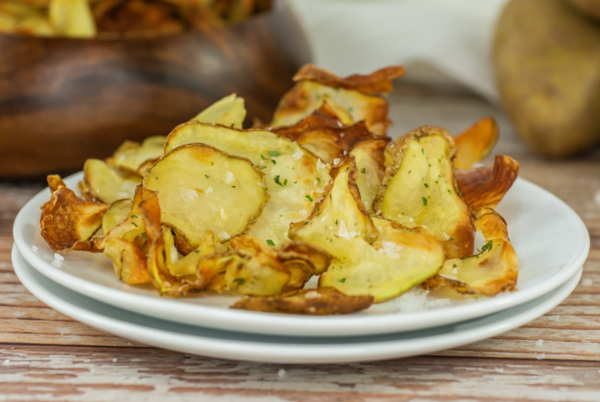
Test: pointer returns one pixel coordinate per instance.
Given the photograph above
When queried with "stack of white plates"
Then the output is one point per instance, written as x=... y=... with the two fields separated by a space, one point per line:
x=551 y=242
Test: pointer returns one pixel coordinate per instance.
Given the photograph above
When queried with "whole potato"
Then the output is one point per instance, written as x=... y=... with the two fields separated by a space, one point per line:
x=547 y=65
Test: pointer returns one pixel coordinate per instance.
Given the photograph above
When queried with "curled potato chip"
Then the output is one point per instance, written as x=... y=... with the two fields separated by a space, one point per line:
x=132 y=156
x=321 y=301
x=106 y=183
x=115 y=214
x=203 y=189
x=379 y=81
x=484 y=187
x=363 y=264
x=355 y=97
x=491 y=271
x=329 y=141
x=67 y=219
x=475 y=143
x=72 y=18
x=370 y=163
x=128 y=261
x=294 y=177
x=347 y=216
x=229 y=111
x=418 y=190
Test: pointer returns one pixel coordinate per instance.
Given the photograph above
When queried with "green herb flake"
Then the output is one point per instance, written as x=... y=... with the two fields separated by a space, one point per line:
x=274 y=162
x=207 y=176
x=337 y=222
x=424 y=201
x=232 y=186
x=263 y=157
x=363 y=170
x=271 y=242
x=278 y=181
x=454 y=266
x=426 y=185
x=308 y=197
x=410 y=171
x=239 y=281
x=487 y=246
x=343 y=280
x=274 y=153
x=197 y=251
x=133 y=216
x=451 y=239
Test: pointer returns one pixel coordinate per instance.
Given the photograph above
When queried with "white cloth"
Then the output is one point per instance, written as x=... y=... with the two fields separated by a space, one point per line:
x=444 y=42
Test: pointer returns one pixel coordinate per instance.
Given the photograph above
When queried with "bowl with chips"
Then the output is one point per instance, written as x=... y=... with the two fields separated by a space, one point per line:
x=78 y=77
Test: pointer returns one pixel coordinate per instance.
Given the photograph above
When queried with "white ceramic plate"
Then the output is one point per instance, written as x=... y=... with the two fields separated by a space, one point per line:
x=550 y=239
x=276 y=349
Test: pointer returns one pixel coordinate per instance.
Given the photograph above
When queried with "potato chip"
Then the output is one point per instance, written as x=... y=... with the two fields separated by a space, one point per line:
x=203 y=189
x=321 y=301
x=419 y=190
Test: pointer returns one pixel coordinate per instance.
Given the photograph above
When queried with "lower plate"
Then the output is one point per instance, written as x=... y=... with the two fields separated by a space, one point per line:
x=279 y=349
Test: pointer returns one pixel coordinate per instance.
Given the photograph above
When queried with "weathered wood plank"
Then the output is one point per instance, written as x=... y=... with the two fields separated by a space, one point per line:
x=101 y=374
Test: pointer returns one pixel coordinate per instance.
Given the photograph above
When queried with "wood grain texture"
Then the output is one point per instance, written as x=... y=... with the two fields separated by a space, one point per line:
x=45 y=356
x=65 y=100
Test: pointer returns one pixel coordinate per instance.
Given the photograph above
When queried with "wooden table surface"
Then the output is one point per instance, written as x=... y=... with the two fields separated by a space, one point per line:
x=46 y=356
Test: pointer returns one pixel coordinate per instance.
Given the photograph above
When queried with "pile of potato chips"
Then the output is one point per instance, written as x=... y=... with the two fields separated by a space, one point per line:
x=319 y=191
x=120 y=18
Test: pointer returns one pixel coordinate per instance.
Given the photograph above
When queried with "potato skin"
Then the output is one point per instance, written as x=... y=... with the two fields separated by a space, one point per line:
x=547 y=65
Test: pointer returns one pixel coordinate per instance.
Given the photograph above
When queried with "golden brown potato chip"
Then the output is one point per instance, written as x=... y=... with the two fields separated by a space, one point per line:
x=132 y=156
x=128 y=261
x=321 y=301
x=493 y=270
x=115 y=214
x=418 y=190
x=106 y=183
x=229 y=112
x=342 y=226
x=379 y=81
x=156 y=260
x=328 y=141
x=295 y=178
x=475 y=143
x=203 y=189
x=484 y=187
x=355 y=97
x=370 y=163
x=67 y=219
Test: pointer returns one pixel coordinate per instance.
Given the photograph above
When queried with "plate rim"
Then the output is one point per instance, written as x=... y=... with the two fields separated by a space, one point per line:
x=280 y=324
x=300 y=353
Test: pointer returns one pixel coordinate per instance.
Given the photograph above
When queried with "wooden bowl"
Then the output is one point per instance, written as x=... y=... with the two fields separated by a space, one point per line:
x=65 y=100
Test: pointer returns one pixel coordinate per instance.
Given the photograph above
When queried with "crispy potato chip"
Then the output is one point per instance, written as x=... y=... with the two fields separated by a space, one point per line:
x=347 y=216
x=351 y=106
x=418 y=190
x=24 y=19
x=156 y=260
x=185 y=268
x=132 y=156
x=260 y=275
x=203 y=189
x=493 y=270
x=229 y=111
x=295 y=178
x=72 y=18
x=379 y=81
x=128 y=261
x=484 y=187
x=329 y=141
x=67 y=219
x=106 y=183
x=342 y=226
x=369 y=158
x=131 y=229
x=321 y=301
x=115 y=214
x=475 y=143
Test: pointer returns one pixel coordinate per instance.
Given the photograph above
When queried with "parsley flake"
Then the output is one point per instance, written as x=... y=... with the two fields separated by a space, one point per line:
x=271 y=242
x=308 y=197
x=424 y=201
x=274 y=153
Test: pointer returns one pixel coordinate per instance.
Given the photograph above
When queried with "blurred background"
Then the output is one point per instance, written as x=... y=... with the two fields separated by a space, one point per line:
x=78 y=77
